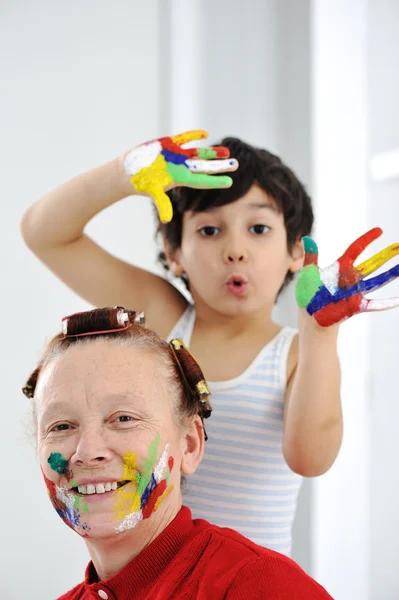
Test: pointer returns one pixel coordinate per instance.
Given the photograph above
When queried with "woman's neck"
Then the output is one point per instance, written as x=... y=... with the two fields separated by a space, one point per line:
x=110 y=555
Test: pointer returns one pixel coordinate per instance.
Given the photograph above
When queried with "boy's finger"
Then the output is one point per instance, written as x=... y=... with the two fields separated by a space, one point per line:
x=189 y=136
x=212 y=166
x=311 y=251
x=202 y=181
x=212 y=152
x=368 y=285
x=376 y=261
x=357 y=247
x=376 y=305
x=163 y=204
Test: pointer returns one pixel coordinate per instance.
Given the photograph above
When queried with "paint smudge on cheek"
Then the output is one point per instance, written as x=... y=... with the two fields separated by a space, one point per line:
x=66 y=504
x=58 y=463
x=148 y=488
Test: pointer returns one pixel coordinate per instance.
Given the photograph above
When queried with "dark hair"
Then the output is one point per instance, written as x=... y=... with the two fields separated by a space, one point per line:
x=256 y=166
x=127 y=327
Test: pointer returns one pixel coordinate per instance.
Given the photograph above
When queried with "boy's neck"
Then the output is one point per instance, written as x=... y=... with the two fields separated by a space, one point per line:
x=234 y=325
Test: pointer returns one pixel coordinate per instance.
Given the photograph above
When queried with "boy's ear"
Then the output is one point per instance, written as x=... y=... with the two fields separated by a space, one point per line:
x=297 y=256
x=173 y=259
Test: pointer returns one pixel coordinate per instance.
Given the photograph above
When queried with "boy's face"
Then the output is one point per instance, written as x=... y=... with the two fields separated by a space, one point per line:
x=235 y=256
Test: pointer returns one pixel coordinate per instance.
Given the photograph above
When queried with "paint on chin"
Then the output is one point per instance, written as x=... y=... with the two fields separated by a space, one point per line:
x=63 y=500
x=148 y=488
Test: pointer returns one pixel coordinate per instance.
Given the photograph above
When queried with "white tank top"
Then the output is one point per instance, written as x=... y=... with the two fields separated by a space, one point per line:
x=243 y=481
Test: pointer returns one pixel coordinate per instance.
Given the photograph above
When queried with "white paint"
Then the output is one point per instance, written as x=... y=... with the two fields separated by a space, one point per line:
x=211 y=166
x=161 y=465
x=130 y=521
x=329 y=276
x=141 y=157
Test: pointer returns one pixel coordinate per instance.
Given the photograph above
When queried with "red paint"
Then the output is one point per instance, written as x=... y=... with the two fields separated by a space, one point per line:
x=153 y=497
x=168 y=144
x=336 y=312
x=171 y=462
x=356 y=248
x=310 y=259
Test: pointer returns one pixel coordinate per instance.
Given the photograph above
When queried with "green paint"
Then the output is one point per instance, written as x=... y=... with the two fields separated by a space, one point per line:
x=206 y=153
x=57 y=463
x=148 y=465
x=80 y=504
x=310 y=245
x=307 y=284
x=181 y=174
x=73 y=483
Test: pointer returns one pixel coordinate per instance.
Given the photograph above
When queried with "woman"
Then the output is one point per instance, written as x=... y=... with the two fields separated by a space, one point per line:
x=119 y=416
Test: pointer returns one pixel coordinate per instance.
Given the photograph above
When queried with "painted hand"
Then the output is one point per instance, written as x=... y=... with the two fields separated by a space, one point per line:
x=337 y=292
x=162 y=164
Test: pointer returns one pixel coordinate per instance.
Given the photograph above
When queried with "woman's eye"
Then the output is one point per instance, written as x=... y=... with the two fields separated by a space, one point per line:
x=61 y=427
x=259 y=229
x=209 y=231
x=124 y=419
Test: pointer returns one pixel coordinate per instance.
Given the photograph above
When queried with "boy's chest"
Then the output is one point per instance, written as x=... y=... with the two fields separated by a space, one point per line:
x=224 y=360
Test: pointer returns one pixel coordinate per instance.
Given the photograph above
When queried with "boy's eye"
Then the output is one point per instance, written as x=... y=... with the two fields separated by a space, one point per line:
x=259 y=229
x=209 y=231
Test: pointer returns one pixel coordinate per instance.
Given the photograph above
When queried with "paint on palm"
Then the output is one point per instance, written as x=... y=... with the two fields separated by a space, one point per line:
x=337 y=292
x=160 y=164
x=148 y=487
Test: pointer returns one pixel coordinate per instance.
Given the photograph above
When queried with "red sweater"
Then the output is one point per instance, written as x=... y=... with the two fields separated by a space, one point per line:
x=194 y=559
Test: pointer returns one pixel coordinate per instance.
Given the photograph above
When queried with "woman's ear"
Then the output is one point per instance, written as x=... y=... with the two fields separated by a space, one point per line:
x=297 y=256
x=172 y=259
x=193 y=445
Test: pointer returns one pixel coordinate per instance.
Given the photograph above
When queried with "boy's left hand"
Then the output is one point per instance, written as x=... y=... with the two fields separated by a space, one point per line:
x=337 y=292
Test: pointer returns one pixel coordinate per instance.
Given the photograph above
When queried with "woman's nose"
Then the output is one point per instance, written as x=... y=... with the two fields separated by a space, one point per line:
x=91 y=449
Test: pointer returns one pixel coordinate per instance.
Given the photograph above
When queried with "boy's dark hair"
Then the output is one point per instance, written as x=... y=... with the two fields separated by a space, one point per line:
x=256 y=166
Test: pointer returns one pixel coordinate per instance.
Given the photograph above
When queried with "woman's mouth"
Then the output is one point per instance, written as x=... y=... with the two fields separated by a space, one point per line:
x=98 y=488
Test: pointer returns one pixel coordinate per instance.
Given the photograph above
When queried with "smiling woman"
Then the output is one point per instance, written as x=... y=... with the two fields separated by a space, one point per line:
x=119 y=417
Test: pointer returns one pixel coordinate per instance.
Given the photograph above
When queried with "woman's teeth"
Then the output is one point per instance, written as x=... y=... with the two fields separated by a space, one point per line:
x=98 y=488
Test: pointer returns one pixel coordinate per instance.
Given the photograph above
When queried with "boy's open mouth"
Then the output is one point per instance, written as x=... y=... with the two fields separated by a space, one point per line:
x=236 y=284
x=99 y=488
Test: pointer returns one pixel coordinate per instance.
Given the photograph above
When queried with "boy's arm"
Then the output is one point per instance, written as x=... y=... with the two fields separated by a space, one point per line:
x=326 y=297
x=313 y=424
x=53 y=229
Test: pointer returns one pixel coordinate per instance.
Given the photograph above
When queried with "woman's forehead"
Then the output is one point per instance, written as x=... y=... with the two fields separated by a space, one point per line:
x=104 y=369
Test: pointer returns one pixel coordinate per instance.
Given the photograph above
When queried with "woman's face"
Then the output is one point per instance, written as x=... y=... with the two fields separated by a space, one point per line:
x=111 y=449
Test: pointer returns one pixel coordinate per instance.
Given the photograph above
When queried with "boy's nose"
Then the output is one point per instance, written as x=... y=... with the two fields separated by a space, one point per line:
x=234 y=257
x=234 y=252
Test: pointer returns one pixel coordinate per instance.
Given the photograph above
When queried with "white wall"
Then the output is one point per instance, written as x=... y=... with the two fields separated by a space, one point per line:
x=80 y=82
x=383 y=88
x=313 y=80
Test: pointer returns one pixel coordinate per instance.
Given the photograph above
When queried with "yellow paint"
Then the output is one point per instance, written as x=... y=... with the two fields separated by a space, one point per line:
x=129 y=466
x=164 y=495
x=153 y=180
x=375 y=262
x=189 y=136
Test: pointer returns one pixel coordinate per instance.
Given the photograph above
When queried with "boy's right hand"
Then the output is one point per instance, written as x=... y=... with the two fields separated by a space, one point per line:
x=162 y=164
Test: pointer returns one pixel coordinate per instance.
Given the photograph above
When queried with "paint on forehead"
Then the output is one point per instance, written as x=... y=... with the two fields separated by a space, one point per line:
x=148 y=488
x=58 y=463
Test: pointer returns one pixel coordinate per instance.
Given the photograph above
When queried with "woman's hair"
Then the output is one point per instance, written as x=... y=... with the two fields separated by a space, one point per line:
x=124 y=327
